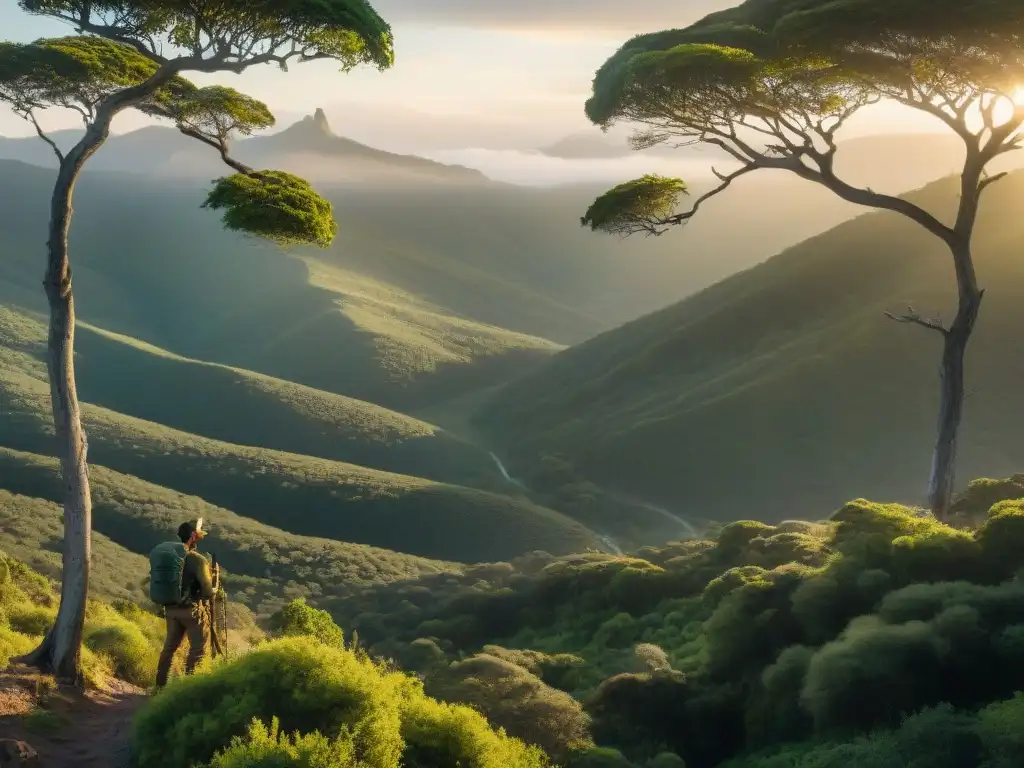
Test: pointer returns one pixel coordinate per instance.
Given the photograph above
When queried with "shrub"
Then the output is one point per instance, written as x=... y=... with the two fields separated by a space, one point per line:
x=308 y=686
x=438 y=735
x=311 y=687
x=597 y=757
x=263 y=746
x=734 y=537
x=874 y=674
x=974 y=503
x=651 y=657
x=940 y=554
x=513 y=698
x=1002 y=539
x=30 y=619
x=299 y=618
x=666 y=760
x=1001 y=728
x=886 y=521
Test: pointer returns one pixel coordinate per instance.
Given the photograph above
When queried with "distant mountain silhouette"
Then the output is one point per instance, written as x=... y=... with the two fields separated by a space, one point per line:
x=309 y=148
x=595 y=145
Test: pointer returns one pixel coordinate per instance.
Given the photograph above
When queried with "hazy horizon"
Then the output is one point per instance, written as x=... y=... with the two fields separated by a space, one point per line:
x=438 y=100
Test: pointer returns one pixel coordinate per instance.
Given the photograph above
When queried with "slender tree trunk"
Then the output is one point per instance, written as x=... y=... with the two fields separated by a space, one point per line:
x=951 y=402
x=60 y=651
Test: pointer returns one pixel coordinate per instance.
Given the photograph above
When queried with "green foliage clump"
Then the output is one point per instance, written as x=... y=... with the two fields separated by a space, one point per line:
x=862 y=518
x=634 y=206
x=276 y=205
x=298 y=618
x=124 y=642
x=311 y=687
x=515 y=699
x=972 y=504
x=1002 y=538
x=267 y=746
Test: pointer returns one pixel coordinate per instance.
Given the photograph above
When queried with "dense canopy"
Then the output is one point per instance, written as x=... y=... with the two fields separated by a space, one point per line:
x=914 y=49
x=275 y=205
x=72 y=72
x=241 y=32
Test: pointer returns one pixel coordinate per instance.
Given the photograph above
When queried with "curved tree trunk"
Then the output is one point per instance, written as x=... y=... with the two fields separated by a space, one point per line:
x=60 y=651
x=951 y=402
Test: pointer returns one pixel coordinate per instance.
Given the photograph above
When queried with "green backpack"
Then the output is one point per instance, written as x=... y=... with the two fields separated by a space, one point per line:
x=166 y=564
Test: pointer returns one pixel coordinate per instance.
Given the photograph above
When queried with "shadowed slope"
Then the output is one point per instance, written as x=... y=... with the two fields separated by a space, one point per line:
x=301 y=494
x=784 y=389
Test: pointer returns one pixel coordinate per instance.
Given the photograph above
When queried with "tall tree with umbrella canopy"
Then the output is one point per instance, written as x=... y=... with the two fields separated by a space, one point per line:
x=771 y=82
x=132 y=54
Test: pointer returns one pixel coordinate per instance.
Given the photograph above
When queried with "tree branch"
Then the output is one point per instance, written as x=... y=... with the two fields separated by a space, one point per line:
x=990 y=180
x=53 y=145
x=932 y=324
x=220 y=145
x=726 y=179
x=870 y=199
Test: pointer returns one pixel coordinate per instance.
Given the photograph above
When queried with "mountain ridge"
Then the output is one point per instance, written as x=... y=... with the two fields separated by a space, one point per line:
x=302 y=148
x=795 y=355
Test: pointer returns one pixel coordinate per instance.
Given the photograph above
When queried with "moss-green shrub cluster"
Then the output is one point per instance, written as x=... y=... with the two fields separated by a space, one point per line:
x=121 y=639
x=762 y=638
x=328 y=701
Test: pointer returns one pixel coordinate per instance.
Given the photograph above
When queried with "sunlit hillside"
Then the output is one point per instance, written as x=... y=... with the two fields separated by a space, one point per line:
x=785 y=389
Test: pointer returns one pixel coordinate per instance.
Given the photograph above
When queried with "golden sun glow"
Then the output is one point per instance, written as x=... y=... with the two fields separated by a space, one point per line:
x=1018 y=96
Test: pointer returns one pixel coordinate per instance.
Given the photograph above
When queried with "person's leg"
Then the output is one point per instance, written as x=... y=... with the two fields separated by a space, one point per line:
x=197 y=629
x=175 y=633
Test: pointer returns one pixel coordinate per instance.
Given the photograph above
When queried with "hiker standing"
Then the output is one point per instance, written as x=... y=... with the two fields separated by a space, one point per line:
x=182 y=581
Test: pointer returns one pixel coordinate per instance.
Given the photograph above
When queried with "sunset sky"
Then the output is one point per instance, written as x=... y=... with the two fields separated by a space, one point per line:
x=487 y=73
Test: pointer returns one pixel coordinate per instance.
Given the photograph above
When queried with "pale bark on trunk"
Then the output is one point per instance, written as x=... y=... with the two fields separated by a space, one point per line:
x=60 y=651
x=952 y=392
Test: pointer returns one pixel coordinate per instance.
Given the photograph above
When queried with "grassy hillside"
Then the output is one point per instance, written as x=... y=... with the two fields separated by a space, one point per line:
x=784 y=389
x=265 y=566
x=32 y=531
x=300 y=494
x=151 y=265
x=429 y=279
x=238 y=406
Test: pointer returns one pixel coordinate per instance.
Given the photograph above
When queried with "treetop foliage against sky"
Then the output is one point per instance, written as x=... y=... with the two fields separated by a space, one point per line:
x=773 y=80
x=234 y=31
x=127 y=43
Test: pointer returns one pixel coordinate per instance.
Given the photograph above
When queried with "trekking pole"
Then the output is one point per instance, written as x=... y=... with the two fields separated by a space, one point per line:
x=215 y=639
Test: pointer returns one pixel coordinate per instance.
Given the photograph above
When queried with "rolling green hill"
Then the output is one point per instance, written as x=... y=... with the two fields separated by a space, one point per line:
x=784 y=389
x=300 y=494
x=151 y=265
x=237 y=406
x=266 y=566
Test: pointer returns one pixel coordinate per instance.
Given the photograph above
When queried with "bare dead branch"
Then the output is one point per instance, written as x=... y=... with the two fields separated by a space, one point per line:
x=990 y=180
x=912 y=316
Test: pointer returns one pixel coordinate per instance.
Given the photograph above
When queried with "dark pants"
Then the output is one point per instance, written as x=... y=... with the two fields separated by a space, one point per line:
x=193 y=622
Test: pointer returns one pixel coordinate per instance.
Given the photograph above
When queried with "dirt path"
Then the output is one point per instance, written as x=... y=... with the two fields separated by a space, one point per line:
x=90 y=730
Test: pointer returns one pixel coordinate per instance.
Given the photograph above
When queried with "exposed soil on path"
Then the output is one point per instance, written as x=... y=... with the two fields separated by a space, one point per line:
x=68 y=729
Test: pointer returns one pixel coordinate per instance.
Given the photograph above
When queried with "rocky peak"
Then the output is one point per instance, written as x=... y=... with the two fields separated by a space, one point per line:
x=318 y=120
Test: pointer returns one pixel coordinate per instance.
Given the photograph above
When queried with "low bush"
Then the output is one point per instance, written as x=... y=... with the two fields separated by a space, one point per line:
x=312 y=687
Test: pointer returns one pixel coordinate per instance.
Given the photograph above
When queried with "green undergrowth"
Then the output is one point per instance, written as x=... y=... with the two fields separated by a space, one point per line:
x=121 y=639
x=297 y=701
x=807 y=642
